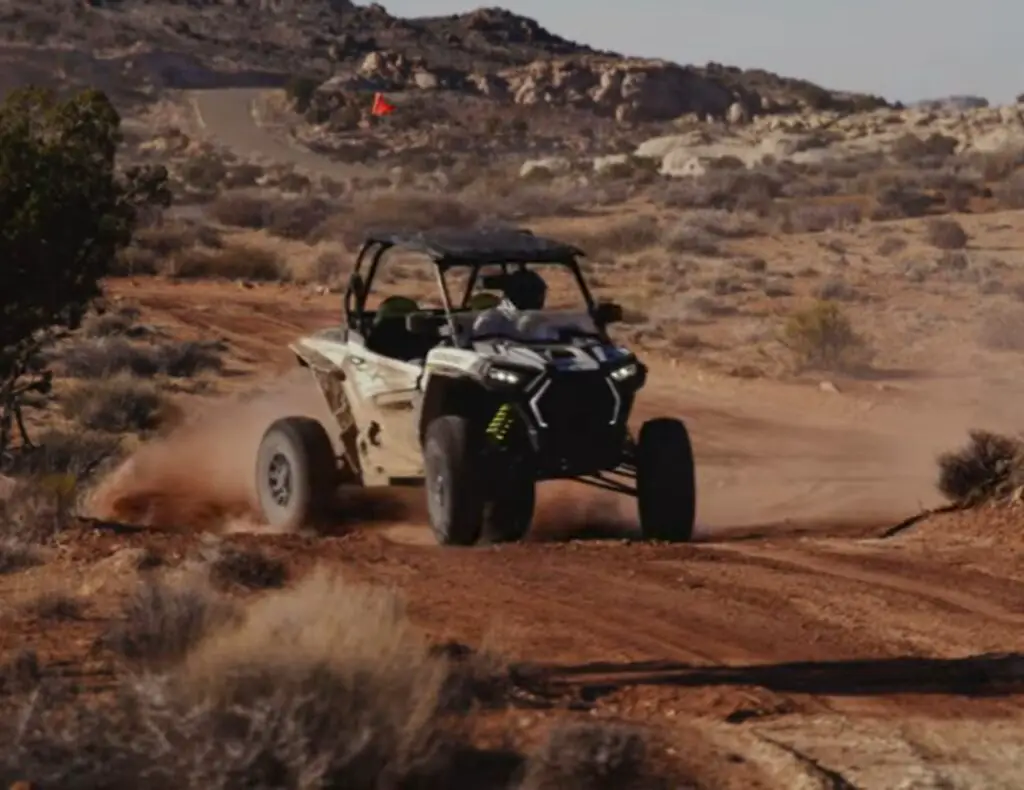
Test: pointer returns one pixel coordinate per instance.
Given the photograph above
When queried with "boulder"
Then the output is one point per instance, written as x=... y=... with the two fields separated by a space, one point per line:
x=545 y=168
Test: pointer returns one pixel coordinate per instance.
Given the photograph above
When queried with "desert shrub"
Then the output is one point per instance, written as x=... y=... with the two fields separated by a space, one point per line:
x=55 y=605
x=726 y=224
x=821 y=337
x=171 y=237
x=891 y=245
x=946 y=234
x=57 y=453
x=301 y=90
x=37 y=510
x=241 y=210
x=299 y=218
x=248 y=567
x=321 y=686
x=589 y=756
x=243 y=175
x=1010 y=194
x=618 y=237
x=899 y=201
x=1002 y=330
x=206 y=172
x=118 y=405
x=397 y=210
x=730 y=190
x=15 y=554
x=164 y=619
x=100 y=358
x=237 y=262
x=188 y=358
x=811 y=218
x=111 y=323
x=330 y=266
x=290 y=218
x=987 y=467
x=65 y=212
x=836 y=290
x=936 y=147
x=686 y=237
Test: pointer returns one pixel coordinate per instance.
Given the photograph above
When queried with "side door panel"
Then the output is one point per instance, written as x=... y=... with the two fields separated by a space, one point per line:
x=386 y=396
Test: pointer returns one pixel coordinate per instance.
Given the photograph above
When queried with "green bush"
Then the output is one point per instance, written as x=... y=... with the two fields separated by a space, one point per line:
x=65 y=213
x=821 y=337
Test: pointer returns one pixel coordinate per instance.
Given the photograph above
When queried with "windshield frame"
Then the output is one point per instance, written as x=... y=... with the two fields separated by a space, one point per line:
x=360 y=287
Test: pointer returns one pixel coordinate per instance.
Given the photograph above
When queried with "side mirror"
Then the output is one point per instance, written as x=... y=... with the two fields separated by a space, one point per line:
x=422 y=324
x=608 y=313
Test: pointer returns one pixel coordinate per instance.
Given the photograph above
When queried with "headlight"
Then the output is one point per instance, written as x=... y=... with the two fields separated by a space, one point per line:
x=625 y=372
x=503 y=376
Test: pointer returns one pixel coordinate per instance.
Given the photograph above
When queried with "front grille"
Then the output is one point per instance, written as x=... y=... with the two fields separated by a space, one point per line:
x=578 y=437
x=577 y=401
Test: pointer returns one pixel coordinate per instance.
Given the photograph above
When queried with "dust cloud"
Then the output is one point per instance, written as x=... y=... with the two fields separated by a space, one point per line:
x=867 y=458
x=785 y=457
x=202 y=476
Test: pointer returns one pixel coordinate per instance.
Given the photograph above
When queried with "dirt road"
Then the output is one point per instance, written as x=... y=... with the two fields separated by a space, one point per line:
x=834 y=658
x=227 y=116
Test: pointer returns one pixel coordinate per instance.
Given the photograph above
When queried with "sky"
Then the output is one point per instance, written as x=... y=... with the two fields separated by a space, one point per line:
x=904 y=50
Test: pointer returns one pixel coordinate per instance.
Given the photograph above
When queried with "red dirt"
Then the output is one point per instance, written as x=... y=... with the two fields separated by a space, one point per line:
x=754 y=631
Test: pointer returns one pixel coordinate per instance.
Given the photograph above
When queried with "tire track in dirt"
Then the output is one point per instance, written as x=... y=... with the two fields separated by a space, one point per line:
x=927 y=584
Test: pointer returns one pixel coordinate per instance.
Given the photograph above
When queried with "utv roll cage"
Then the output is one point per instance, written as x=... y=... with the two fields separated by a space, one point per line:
x=472 y=249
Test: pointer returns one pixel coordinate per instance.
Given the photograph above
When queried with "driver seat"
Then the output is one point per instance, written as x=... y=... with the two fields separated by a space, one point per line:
x=388 y=334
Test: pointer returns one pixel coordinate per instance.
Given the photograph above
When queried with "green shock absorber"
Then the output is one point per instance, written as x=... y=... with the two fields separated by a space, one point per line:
x=501 y=423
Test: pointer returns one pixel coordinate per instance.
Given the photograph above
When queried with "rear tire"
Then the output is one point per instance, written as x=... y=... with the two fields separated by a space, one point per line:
x=666 y=481
x=296 y=472
x=509 y=512
x=455 y=501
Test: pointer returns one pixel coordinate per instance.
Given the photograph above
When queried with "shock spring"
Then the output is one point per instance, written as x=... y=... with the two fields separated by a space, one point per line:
x=501 y=423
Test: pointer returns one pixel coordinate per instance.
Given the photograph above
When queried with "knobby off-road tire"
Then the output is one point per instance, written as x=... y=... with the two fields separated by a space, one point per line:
x=509 y=511
x=666 y=481
x=296 y=473
x=455 y=496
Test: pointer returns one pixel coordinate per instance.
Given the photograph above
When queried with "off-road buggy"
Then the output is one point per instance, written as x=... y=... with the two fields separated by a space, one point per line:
x=474 y=399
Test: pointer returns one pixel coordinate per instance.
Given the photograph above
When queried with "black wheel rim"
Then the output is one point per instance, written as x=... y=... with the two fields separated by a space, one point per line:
x=279 y=479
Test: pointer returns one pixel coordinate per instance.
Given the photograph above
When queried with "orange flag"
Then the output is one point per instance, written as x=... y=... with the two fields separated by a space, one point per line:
x=380 y=106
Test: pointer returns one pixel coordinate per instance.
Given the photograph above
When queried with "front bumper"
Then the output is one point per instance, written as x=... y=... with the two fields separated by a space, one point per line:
x=577 y=421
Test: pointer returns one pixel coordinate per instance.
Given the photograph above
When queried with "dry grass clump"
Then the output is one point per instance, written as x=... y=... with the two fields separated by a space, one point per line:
x=812 y=218
x=120 y=322
x=1002 y=330
x=290 y=218
x=590 y=757
x=946 y=234
x=163 y=620
x=121 y=404
x=248 y=567
x=235 y=262
x=397 y=210
x=15 y=554
x=988 y=467
x=101 y=358
x=58 y=453
x=821 y=337
x=621 y=236
x=55 y=605
x=321 y=686
x=153 y=247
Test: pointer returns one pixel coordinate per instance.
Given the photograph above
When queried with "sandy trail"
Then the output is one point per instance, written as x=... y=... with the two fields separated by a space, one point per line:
x=790 y=635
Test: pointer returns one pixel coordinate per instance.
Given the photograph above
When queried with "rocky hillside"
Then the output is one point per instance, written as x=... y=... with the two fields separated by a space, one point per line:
x=489 y=53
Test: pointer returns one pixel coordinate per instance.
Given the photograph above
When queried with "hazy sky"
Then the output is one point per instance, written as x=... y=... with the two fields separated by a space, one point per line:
x=902 y=49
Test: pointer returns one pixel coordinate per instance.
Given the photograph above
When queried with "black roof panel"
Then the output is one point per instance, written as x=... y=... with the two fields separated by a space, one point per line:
x=480 y=245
